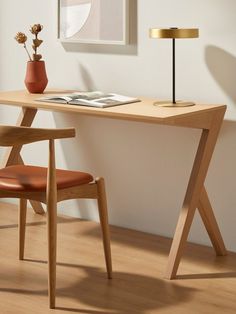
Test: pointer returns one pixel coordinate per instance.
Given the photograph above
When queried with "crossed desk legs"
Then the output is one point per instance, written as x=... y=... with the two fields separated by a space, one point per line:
x=196 y=195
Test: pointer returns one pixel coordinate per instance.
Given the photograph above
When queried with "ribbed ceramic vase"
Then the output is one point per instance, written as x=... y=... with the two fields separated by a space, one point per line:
x=36 y=77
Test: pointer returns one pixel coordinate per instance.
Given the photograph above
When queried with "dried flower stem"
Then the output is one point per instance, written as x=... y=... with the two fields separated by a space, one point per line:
x=36 y=35
x=27 y=52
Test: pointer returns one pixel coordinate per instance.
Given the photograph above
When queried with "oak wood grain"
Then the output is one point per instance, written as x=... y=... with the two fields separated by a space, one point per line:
x=206 y=283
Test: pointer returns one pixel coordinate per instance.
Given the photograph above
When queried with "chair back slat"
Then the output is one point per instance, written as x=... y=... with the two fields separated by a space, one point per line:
x=18 y=135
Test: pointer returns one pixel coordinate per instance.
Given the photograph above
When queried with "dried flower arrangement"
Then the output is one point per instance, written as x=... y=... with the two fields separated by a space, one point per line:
x=21 y=38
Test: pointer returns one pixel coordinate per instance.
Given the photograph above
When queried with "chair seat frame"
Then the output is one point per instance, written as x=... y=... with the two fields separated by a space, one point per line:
x=17 y=137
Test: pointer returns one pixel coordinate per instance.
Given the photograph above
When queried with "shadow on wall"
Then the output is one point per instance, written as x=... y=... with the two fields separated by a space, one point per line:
x=222 y=66
x=87 y=78
x=130 y=49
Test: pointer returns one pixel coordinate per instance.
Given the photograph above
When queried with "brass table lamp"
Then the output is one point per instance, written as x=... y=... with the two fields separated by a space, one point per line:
x=174 y=33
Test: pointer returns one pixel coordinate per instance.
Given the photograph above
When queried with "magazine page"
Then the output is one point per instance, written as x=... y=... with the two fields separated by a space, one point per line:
x=90 y=95
x=93 y=99
x=64 y=98
x=104 y=101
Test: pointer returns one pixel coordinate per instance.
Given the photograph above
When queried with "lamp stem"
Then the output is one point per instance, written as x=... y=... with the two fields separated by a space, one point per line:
x=173 y=71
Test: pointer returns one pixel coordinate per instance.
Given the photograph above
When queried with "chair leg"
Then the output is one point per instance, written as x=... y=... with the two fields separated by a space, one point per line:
x=52 y=243
x=22 y=223
x=103 y=214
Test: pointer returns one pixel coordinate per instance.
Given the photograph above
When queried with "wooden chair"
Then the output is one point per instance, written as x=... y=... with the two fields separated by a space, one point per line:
x=49 y=186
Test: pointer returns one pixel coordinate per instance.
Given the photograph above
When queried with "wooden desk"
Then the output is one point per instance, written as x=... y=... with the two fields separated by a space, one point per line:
x=206 y=117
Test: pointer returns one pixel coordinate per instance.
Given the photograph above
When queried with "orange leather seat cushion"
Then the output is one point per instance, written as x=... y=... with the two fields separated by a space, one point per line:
x=31 y=178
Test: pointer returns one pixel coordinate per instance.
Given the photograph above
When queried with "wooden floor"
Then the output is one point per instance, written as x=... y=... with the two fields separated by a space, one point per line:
x=205 y=284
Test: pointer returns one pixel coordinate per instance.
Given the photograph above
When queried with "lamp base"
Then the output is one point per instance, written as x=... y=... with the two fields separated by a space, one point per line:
x=168 y=103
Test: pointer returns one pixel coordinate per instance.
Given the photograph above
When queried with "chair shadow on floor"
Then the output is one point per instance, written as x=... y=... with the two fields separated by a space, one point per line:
x=125 y=293
x=149 y=242
x=60 y=220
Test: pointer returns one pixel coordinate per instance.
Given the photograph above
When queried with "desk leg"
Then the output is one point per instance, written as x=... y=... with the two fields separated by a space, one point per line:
x=208 y=217
x=193 y=197
x=12 y=155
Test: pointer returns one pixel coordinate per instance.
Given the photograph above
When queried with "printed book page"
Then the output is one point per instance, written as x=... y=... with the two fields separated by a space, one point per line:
x=93 y=99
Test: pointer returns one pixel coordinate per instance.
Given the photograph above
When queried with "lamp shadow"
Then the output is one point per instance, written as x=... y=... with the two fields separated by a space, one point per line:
x=222 y=66
x=125 y=293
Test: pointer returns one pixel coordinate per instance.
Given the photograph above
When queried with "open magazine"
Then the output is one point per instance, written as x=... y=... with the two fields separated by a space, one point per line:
x=92 y=99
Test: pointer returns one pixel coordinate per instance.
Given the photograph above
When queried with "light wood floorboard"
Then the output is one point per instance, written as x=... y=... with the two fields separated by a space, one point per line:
x=205 y=284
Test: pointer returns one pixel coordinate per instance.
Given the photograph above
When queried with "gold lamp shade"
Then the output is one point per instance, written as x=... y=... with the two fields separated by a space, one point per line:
x=173 y=33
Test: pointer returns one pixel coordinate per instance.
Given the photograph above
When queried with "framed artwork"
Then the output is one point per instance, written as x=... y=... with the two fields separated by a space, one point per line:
x=93 y=21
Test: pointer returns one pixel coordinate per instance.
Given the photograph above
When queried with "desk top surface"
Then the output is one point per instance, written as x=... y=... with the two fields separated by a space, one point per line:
x=141 y=111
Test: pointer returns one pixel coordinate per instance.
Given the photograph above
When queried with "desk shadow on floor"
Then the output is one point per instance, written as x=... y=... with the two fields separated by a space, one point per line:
x=60 y=220
x=207 y=275
x=125 y=293
x=199 y=254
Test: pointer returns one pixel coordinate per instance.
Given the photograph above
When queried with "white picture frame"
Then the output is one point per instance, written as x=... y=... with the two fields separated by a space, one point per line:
x=93 y=21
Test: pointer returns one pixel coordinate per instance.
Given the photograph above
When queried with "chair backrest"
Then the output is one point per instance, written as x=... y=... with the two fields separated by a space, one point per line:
x=19 y=135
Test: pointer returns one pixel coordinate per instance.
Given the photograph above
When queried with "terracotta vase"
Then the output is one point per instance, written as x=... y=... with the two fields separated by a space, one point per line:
x=36 y=77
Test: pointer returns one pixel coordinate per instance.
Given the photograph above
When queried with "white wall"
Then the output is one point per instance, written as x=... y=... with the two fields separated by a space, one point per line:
x=146 y=167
